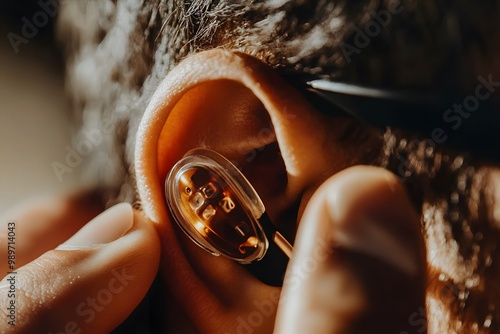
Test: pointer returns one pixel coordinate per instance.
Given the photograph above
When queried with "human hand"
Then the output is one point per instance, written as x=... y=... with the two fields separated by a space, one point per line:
x=358 y=264
x=88 y=284
x=307 y=149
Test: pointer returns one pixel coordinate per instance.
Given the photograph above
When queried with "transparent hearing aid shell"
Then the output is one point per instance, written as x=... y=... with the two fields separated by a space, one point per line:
x=216 y=206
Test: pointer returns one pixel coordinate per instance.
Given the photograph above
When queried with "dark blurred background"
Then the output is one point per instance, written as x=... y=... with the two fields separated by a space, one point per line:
x=34 y=124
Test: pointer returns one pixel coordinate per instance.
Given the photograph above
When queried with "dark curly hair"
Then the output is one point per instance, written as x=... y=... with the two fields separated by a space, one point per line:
x=117 y=52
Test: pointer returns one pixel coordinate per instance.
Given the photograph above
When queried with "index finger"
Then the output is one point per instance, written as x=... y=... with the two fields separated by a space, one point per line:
x=358 y=263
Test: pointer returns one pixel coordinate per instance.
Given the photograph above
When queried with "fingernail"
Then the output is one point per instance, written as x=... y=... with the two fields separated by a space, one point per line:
x=105 y=228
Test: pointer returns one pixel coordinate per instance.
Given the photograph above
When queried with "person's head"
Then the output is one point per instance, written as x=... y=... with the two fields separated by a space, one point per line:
x=120 y=51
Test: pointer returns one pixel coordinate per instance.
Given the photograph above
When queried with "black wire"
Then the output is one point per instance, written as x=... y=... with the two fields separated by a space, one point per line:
x=428 y=115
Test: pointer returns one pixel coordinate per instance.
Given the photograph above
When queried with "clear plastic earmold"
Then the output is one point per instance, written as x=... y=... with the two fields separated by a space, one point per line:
x=216 y=206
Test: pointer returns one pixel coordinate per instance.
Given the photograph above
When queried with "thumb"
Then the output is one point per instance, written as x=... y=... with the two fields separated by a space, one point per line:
x=90 y=283
x=358 y=264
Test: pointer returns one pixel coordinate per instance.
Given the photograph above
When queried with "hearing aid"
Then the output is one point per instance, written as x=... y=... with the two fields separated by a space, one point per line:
x=219 y=210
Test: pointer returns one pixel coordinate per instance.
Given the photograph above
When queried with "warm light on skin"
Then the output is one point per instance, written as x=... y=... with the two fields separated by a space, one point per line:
x=362 y=261
x=212 y=80
x=205 y=89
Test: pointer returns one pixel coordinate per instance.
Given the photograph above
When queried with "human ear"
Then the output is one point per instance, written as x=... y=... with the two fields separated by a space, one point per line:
x=236 y=105
x=218 y=99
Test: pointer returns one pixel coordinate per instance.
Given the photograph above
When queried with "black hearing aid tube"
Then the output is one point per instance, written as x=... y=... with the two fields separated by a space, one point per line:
x=271 y=268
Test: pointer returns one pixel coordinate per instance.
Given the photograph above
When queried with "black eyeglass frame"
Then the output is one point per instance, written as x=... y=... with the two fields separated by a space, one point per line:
x=475 y=131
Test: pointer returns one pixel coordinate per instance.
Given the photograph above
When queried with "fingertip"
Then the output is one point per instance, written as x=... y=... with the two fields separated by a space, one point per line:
x=364 y=189
x=95 y=288
x=369 y=211
x=370 y=272
x=106 y=227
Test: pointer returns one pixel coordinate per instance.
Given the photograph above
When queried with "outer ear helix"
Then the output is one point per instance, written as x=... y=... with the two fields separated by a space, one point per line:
x=290 y=113
x=171 y=126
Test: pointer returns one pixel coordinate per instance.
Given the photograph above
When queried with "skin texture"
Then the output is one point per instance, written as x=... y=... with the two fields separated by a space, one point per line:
x=91 y=284
x=217 y=301
x=51 y=216
x=228 y=102
x=428 y=45
x=372 y=256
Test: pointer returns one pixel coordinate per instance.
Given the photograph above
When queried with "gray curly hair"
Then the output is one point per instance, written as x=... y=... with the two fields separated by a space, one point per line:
x=118 y=51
